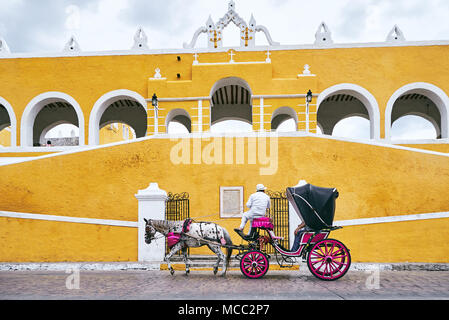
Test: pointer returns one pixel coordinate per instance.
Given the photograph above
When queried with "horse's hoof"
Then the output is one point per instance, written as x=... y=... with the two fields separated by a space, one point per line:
x=187 y=272
x=215 y=271
x=172 y=271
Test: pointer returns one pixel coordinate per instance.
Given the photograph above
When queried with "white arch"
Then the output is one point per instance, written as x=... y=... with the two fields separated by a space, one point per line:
x=12 y=119
x=35 y=106
x=287 y=111
x=103 y=103
x=438 y=96
x=173 y=114
x=361 y=94
x=234 y=81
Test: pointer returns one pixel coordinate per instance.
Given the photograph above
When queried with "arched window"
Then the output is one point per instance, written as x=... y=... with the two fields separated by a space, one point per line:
x=284 y=119
x=346 y=101
x=231 y=99
x=120 y=106
x=47 y=111
x=178 y=121
x=7 y=124
x=422 y=100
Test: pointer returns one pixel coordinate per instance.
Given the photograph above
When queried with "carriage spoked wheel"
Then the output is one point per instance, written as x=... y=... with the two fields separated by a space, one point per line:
x=329 y=260
x=254 y=264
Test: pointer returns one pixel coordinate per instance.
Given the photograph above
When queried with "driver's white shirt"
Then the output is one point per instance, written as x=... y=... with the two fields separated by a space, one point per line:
x=258 y=203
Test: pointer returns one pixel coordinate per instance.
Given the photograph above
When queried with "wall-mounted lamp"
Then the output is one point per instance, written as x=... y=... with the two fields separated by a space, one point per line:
x=155 y=103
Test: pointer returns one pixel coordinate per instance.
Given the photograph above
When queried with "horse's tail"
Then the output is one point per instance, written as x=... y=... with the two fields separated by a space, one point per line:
x=228 y=249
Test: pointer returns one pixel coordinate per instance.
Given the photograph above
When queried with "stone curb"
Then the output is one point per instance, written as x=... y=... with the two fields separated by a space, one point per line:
x=136 y=266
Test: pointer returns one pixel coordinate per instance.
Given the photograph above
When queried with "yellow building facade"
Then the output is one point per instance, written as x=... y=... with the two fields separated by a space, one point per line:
x=391 y=191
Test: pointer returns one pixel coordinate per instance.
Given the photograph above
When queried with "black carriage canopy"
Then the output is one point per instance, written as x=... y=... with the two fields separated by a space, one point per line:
x=314 y=205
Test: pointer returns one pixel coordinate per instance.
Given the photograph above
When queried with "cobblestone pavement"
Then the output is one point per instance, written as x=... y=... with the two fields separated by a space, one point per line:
x=203 y=285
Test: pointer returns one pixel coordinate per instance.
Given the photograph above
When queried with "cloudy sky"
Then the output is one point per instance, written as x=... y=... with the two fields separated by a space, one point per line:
x=100 y=25
x=46 y=25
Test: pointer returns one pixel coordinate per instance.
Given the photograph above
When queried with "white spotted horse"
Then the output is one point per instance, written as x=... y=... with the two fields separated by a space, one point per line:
x=182 y=235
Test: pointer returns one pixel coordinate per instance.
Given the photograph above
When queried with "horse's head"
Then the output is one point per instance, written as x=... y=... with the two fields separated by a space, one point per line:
x=149 y=231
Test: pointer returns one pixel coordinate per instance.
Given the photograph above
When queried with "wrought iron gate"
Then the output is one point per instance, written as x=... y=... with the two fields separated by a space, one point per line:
x=279 y=213
x=177 y=208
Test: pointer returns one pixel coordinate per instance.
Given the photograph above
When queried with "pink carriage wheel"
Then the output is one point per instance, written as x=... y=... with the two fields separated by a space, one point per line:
x=254 y=264
x=329 y=260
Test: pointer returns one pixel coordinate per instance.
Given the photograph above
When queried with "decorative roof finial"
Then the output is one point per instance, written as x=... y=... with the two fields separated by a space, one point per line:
x=395 y=35
x=72 y=45
x=4 y=49
x=323 y=36
x=140 y=40
x=247 y=32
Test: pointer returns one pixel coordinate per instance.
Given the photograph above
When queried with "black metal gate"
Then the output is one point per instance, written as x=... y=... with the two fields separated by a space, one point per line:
x=279 y=213
x=177 y=208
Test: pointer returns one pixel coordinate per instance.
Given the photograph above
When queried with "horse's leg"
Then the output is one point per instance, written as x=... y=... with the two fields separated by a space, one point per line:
x=186 y=260
x=173 y=250
x=221 y=257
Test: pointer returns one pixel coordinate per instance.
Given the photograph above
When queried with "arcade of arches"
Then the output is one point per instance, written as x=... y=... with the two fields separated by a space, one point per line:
x=231 y=108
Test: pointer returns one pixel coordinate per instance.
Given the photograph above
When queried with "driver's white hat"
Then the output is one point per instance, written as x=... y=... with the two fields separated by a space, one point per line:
x=260 y=187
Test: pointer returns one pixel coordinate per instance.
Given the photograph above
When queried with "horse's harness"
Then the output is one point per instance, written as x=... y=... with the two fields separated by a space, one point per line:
x=186 y=228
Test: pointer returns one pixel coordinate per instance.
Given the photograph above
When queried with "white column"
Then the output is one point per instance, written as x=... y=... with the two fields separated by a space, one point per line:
x=156 y=122
x=151 y=206
x=307 y=117
x=200 y=116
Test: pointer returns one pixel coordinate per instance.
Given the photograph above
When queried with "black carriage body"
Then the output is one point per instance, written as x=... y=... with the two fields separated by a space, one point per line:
x=314 y=205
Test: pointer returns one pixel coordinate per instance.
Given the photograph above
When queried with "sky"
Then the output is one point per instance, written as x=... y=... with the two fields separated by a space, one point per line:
x=39 y=26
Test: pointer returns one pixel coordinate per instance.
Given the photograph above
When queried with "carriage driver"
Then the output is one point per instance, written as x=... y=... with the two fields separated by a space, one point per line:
x=258 y=204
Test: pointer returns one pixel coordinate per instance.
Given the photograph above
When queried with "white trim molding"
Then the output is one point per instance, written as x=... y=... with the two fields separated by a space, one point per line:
x=45 y=217
x=103 y=103
x=162 y=196
x=12 y=120
x=412 y=217
x=437 y=95
x=367 y=99
x=35 y=106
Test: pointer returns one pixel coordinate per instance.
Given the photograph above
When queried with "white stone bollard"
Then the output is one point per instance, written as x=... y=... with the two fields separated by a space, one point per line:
x=151 y=206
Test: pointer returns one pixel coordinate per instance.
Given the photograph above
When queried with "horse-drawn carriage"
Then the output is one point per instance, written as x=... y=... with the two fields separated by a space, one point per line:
x=327 y=259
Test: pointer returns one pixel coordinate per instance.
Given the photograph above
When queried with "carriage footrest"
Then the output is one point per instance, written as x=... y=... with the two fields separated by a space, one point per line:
x=243 y=235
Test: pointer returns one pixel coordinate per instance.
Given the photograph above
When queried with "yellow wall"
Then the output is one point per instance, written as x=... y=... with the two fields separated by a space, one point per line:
x=380 y=70
x=373 y=181
x=5 y=138
x=49 y=241
x=111 y=133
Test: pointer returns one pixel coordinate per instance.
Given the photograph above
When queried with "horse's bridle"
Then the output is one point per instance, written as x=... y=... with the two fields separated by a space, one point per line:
x=149 y=238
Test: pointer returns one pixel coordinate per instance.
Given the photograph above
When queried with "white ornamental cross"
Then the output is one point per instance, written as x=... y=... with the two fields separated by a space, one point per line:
x=268 y=60
x=232 y=54
x=196 y=58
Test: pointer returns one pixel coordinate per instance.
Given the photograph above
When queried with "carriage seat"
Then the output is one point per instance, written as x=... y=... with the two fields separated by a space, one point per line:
x=263 y=222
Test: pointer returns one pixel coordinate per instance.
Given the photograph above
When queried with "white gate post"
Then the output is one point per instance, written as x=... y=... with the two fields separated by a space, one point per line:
x=151 y=206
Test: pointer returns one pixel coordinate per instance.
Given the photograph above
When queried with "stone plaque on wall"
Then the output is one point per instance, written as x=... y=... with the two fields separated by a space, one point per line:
x=231 y=202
